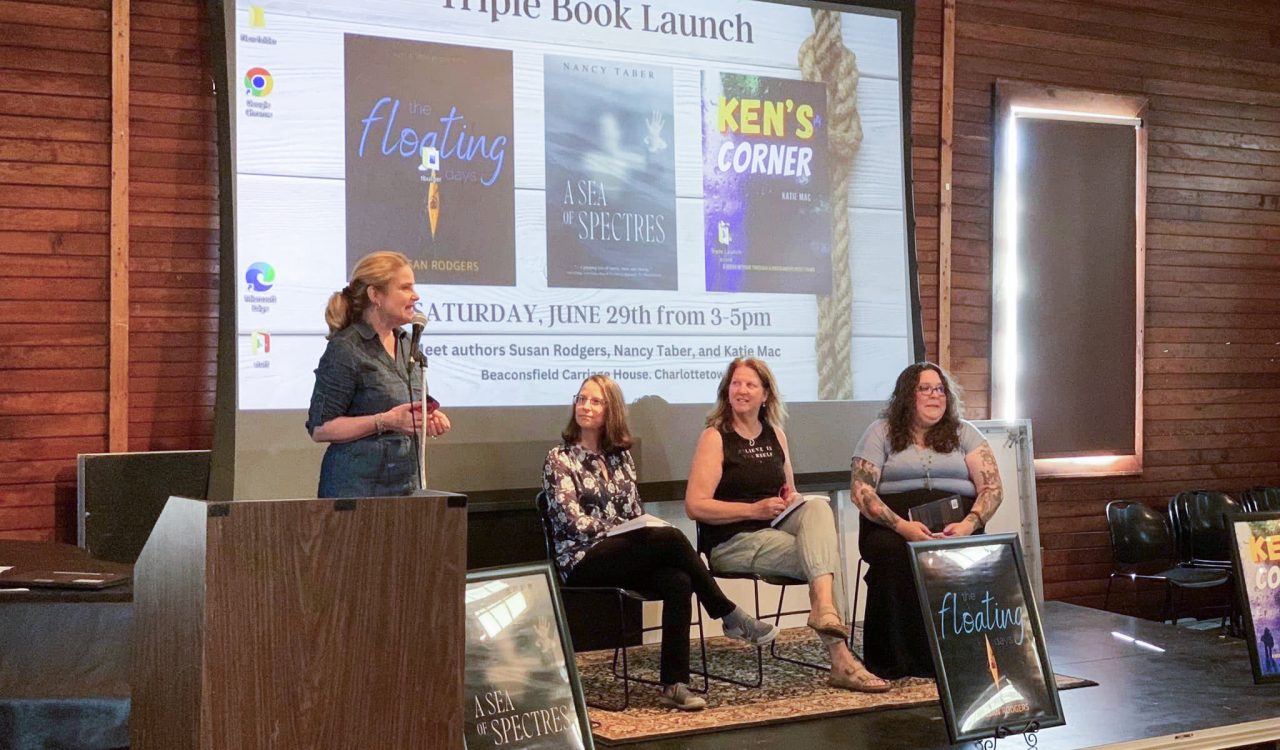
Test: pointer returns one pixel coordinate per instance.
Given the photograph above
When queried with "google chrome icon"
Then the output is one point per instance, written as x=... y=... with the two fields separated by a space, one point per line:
x=258 y=81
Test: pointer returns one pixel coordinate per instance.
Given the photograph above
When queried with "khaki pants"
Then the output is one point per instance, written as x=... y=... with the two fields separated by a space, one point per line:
x=803 y=546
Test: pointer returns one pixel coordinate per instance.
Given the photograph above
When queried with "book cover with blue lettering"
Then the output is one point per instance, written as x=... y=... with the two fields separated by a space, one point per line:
x=429 y=158
x=610 y=161
x=766 y=187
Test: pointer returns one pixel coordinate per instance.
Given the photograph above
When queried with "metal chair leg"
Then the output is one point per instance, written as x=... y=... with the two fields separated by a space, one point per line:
x=853 y=614
x=773 y=647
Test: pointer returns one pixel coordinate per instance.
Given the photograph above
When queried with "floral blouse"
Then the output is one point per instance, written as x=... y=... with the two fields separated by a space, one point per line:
x=583 y=504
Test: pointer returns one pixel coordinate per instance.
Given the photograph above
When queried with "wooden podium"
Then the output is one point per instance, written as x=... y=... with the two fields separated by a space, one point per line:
x=301 y=625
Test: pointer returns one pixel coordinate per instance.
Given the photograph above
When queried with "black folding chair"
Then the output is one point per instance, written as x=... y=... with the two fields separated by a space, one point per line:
x=1261 y=499
x=1142 y=548
x=621 y=596
x=1200 y=527
x=782 y=582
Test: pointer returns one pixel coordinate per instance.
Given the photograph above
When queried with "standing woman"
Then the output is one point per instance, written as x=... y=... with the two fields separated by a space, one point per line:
x=590 y=482
x=918 y=451
x=741 y=474
x=366 y=403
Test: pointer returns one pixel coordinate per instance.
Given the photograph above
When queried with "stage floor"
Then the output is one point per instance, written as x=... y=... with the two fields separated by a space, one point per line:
x=1185 y=689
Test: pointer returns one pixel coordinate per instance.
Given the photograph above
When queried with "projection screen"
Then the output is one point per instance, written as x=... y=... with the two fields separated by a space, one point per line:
x=647 y=189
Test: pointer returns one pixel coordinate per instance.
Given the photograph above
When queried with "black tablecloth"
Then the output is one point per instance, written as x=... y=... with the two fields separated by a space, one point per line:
x=64 y=658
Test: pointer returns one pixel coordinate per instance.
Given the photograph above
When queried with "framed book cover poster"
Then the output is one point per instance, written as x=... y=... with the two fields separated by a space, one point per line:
x=1256 y=556
x=520 y=683
x=993 y=671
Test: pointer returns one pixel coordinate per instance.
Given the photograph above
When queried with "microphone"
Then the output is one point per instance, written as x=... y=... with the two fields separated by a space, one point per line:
x=419 y=322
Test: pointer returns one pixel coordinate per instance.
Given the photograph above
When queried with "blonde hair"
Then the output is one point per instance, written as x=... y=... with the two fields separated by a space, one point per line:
x=616 y=435
x=375 y=270
x=772 y=411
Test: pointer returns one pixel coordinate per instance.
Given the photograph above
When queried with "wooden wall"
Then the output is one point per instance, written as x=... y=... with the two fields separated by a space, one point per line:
x=1212 y=367
x=173 y=227
x=1212 y=343
x=55 y=178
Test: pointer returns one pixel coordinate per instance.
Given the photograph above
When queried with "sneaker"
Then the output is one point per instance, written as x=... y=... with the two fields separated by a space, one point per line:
x=753 y=631
x=679 y=696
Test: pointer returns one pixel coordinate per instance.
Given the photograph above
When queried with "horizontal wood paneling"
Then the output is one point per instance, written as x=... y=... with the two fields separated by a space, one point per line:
x=926 y=114
x=173 y=228
x=1212 y=339
x=54 y=156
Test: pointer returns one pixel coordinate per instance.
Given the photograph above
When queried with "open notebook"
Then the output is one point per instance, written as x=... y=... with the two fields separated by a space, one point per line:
x=639 y=522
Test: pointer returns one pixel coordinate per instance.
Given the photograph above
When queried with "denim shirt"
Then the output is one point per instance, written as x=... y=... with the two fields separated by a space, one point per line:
x=357 y=378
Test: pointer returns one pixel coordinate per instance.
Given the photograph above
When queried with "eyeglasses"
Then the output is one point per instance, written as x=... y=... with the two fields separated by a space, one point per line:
x=592 y=400
x=936 y=390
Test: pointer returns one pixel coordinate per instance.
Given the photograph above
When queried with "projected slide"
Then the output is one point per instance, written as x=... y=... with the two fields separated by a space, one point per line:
x=645 y=189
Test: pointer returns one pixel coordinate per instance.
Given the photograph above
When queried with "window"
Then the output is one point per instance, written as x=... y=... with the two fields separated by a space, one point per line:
x=1068 y=226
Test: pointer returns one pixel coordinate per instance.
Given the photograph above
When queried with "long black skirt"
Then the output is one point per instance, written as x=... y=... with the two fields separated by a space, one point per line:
x=895 y=643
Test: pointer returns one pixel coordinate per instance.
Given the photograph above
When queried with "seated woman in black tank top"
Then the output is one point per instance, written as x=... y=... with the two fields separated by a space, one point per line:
x=740 y=481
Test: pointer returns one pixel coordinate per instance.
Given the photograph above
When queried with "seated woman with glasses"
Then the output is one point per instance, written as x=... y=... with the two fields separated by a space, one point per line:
x=919 y=450
x=740 y=482
x=590 y=482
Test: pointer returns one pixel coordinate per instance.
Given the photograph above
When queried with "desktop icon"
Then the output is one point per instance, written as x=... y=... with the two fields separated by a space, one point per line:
x=260 y=277
x=258 y=82
x=260 y=342
x=257 y=17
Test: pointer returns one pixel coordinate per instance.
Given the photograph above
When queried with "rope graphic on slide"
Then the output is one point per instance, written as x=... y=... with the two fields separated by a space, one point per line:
x=823 y=57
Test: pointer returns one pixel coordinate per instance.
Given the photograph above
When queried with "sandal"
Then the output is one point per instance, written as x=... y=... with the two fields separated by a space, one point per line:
x=858 y=679
x=827 y=622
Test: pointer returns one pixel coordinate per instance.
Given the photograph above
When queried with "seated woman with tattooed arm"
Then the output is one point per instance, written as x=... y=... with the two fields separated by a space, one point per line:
x=919 y=450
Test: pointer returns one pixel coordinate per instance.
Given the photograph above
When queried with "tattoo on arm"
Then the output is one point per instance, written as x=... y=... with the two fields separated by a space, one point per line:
x=866 y=477
x=988 y=500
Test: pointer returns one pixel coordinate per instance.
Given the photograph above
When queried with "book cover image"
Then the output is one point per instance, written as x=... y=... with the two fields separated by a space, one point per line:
x=766 y=188
x=429 y=158
x=985 y=636
x=1258 y=547
x=610 y=160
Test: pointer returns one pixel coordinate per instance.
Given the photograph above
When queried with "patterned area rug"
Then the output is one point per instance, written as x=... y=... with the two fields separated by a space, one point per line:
x=790 y=692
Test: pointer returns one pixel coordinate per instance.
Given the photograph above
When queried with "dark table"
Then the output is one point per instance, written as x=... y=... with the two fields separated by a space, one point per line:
x=64 y=656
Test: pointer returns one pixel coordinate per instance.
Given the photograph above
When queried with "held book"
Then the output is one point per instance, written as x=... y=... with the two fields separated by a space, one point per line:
x=802 y=499
x=936 y=514
x=639 y=522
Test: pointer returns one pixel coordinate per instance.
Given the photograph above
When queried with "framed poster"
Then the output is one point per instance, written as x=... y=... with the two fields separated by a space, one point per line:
x=1256 y=556
x=989 y=654
x=520 y=684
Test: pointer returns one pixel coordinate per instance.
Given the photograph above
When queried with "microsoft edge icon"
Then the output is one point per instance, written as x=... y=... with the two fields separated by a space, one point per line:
x=260 y=277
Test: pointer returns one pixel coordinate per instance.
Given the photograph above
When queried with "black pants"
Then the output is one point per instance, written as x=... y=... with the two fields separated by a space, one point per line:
x=657 y=562
x=895 y=643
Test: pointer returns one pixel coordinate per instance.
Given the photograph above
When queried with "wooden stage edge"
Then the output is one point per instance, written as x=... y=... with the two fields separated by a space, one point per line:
x=1158 y=687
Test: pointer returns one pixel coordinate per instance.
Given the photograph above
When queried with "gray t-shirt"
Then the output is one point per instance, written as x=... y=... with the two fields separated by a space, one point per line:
x=919 y=468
